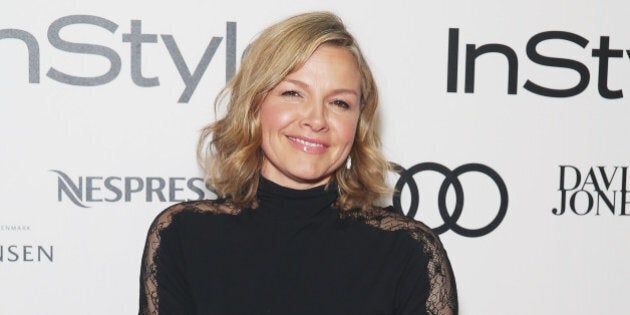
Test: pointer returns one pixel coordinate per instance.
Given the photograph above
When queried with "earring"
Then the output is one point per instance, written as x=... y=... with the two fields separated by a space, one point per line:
x=349 y=163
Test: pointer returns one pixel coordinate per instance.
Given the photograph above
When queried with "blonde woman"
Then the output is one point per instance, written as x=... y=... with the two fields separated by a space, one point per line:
x=296 y=162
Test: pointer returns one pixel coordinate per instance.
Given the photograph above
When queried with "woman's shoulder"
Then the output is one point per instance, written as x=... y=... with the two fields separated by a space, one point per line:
x=387 y=219
x=218 y=206
x=442 y=295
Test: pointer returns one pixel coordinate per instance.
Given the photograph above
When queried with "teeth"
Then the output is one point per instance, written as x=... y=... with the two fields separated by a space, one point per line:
x=310 y=144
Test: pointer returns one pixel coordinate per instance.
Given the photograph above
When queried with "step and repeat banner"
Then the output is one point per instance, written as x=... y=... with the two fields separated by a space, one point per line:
x=507 y=123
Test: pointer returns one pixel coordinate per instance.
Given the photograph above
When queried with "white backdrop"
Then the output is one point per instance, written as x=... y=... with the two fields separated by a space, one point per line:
x=129 y=149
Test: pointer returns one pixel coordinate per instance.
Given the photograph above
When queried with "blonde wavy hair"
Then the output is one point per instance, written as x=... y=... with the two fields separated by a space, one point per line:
x=229 y=150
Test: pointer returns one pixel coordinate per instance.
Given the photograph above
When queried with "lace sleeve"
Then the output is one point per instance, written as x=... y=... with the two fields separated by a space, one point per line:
x=161 y=277
x=431 y=268
x=164 y=288
x=442 y=293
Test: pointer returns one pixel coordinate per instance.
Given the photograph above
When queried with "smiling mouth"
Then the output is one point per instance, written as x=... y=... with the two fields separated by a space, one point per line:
x=306 y=143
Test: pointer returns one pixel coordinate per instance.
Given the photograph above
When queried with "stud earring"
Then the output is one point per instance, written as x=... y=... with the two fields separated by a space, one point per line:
x=349 y=163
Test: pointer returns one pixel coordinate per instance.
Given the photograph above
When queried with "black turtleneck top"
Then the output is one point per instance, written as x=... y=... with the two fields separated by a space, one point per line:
x=297 y=254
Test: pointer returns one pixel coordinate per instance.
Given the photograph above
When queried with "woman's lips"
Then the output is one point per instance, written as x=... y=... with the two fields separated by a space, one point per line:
x=308 y=145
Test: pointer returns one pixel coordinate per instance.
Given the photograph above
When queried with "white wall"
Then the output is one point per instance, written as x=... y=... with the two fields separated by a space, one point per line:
x=533 y=262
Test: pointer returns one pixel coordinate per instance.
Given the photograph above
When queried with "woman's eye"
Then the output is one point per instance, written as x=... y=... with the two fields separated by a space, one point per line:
x=341 y=104
x=290 y=93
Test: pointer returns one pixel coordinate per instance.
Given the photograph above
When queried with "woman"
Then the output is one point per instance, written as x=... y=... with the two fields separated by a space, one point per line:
x=297 y=164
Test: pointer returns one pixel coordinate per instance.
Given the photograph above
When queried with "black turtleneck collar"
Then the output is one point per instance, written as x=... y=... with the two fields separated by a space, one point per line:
x=291 y=203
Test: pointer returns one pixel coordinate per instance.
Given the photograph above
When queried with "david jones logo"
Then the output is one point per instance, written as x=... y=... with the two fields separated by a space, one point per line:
x=598 y=190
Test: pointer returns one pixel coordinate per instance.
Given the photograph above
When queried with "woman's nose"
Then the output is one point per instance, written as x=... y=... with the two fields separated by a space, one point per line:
x=315 y=117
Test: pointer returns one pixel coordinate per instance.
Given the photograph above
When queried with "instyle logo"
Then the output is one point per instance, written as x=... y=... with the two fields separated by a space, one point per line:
x=136 y=39
x=573 y=42
x=599 y=190
x=26 y=253
x=85 y=190
x=451 y=216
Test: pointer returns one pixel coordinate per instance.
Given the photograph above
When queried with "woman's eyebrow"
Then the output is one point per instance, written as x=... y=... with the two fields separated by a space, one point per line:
x=305 y=85
x=297 y=82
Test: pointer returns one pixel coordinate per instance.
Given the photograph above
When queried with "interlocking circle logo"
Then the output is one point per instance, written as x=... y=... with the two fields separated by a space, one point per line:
x=451 y=179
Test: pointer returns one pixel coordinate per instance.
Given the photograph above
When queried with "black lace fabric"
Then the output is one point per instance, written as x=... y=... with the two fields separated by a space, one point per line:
x=149 y=286
x=442 y=295
x=442 y=298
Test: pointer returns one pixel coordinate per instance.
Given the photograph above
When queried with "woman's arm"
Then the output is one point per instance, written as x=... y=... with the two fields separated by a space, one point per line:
x=427 y=282
x=163 y=285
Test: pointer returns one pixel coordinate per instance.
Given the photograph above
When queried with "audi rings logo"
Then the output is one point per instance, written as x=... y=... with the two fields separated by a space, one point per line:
x=451 y=179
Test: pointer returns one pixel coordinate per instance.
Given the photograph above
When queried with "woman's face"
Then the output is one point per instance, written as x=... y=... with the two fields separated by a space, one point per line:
x=310 y=118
